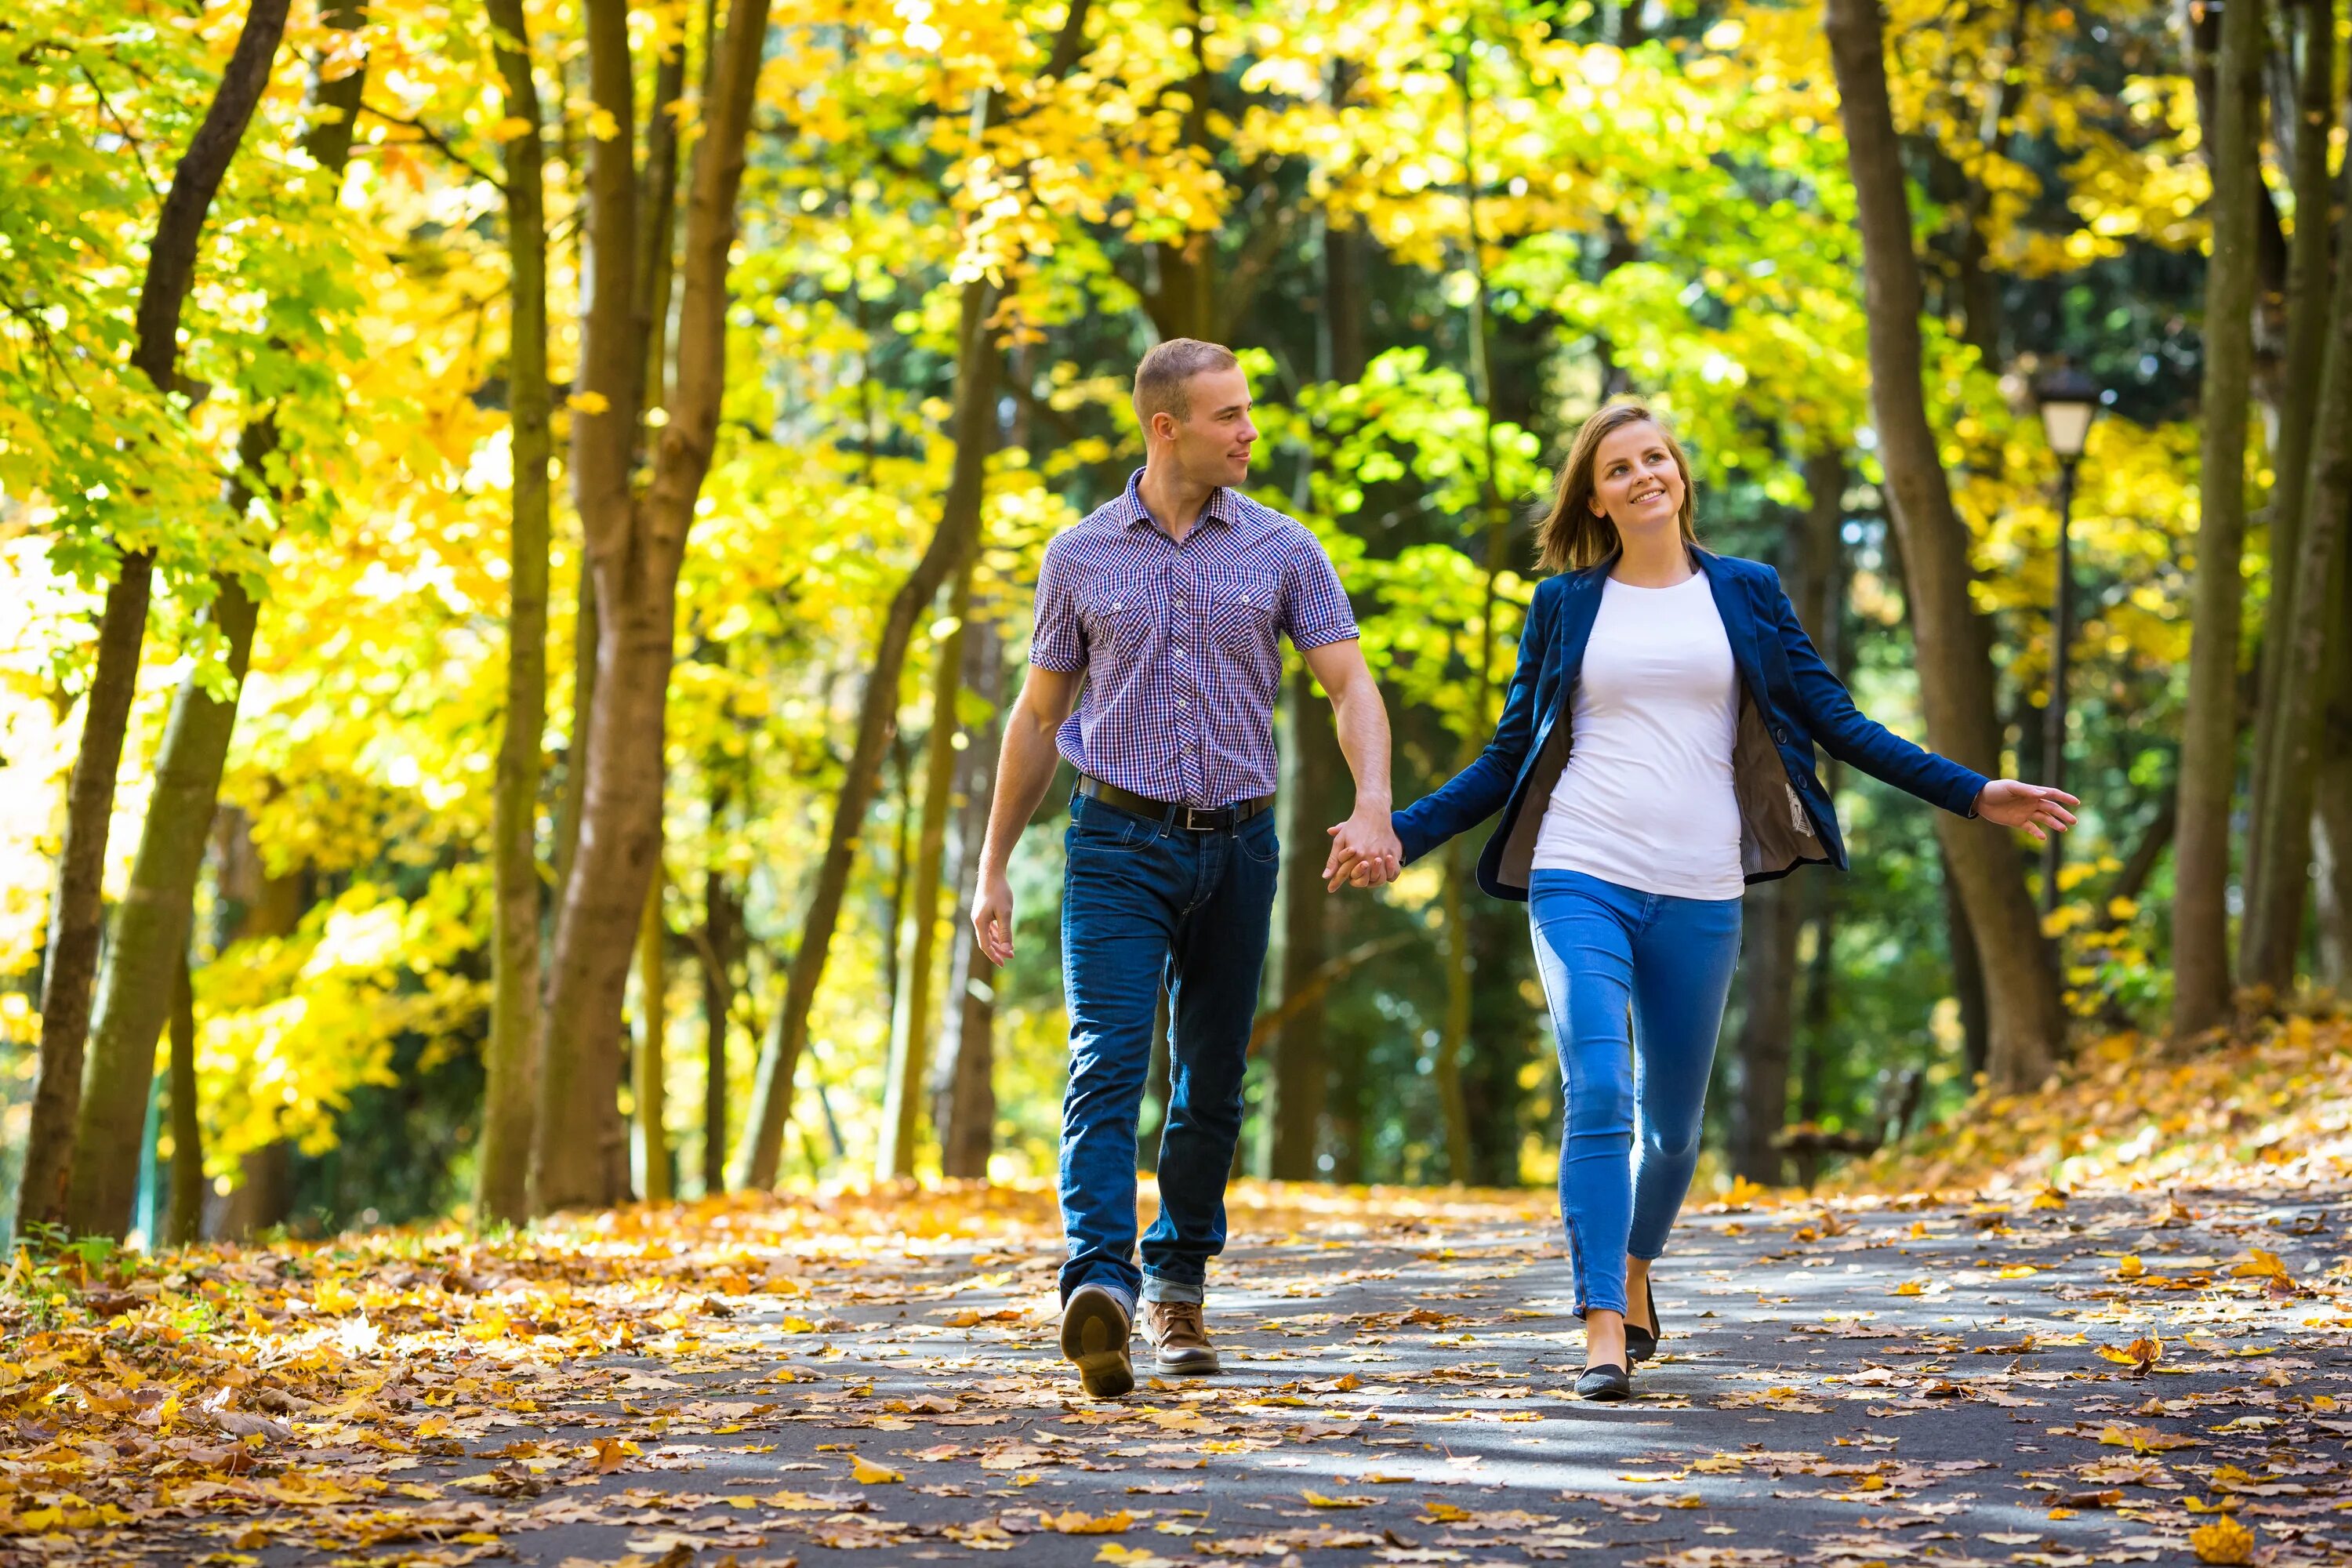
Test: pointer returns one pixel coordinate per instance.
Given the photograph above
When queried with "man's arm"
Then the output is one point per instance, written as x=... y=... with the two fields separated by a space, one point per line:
x=1023 y=770
x=1364 y=848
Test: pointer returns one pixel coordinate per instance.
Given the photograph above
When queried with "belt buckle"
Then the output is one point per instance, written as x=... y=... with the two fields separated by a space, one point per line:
x=1192 y=811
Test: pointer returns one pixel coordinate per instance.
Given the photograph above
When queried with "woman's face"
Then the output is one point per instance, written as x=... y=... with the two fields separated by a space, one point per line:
x=1636 y=483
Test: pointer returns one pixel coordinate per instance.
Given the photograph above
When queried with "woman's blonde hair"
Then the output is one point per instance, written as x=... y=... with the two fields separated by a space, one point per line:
x=1572 y=535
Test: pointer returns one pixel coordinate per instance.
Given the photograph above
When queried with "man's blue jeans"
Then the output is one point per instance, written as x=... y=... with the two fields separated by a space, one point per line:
x=1144 y=901
x=1606 y=951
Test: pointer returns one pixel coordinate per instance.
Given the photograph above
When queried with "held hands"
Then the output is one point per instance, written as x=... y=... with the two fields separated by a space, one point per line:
x=2033 y=807
x=1365 y=852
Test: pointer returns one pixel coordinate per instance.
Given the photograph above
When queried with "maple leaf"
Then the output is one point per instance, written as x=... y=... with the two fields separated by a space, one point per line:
x=2139 y=1355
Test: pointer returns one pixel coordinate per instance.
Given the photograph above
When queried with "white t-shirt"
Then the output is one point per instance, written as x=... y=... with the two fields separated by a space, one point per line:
x=1645 y=799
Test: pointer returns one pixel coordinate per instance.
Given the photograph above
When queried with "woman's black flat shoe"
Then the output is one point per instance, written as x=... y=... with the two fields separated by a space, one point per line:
x=1606 y=1382
x=1642 y=1344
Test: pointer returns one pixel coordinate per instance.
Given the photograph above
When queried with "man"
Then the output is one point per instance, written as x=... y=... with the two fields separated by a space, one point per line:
x=1154 y=668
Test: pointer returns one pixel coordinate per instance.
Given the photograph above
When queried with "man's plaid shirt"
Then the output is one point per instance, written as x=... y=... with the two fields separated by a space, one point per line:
x=1178 y=642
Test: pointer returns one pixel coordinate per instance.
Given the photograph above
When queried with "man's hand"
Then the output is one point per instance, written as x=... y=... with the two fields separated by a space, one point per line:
x=2033 y=807
x=991 y=917
x=1365 y=851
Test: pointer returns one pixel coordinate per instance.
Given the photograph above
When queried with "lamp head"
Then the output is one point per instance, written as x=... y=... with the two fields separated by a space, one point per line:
x=2070 y=401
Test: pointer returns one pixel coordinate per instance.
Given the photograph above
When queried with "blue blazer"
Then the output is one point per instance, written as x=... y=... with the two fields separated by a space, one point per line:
x=1790 y=701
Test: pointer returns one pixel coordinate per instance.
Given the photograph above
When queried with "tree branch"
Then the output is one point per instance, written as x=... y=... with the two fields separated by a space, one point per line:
x=439 y=142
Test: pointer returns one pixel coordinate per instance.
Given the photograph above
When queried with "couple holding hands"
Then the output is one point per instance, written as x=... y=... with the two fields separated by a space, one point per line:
x=1653 y=756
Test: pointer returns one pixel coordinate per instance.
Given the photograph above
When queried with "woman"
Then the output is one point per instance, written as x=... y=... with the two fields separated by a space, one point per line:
x=1655 y=754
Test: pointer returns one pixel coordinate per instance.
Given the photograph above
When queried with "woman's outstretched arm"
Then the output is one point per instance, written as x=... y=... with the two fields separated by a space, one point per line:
x=1853 y=736
x=1478 y=791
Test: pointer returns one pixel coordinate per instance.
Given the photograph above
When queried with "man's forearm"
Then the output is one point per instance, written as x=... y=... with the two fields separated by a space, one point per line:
x=1024 y=768
x=1364 y=725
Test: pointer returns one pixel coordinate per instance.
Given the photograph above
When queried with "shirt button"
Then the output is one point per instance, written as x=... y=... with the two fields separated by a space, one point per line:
x=1184 y=702
x=1179 y=653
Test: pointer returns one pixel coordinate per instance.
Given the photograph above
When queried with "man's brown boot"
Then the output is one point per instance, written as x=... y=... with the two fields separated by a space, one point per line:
x=1178 y=1341
x=1094 y=1336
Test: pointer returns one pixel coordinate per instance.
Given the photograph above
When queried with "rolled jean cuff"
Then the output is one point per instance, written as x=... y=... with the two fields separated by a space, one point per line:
x=1160 y=1288
x=1110 y=1287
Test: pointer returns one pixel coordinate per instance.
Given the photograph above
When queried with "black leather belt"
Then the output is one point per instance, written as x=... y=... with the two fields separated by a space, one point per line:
x=1197 y=818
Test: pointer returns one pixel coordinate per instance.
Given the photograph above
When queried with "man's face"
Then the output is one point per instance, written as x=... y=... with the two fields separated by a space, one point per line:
x=1212 y=441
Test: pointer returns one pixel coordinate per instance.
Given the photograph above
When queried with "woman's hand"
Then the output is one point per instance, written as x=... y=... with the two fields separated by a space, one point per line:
x=2033 y=807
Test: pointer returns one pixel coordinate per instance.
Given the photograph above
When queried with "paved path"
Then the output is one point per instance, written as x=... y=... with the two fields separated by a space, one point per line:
x=1908 y=1385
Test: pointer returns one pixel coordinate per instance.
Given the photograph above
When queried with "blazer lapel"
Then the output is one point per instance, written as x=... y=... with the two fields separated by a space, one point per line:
x=1739 y=624
x=1576 y=618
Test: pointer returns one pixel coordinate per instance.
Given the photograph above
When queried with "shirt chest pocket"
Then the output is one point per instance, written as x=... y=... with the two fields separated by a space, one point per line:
x=1245 y=608
x=1117 y=616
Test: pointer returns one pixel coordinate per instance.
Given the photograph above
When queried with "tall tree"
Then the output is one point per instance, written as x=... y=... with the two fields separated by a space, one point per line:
x=653 y=1025
x=2332 y=819
x=722 y=942
x=2209 y=742
x=636 y=543
x=1775 y=912
x=978 y=367
x=184 y=1215
x=2026 y=1018
x=978 y=359
x=502 y=1191
x=76 y=909
x=963 y=1105
x=910 y=1065
x=2306 y=517
x=150 y=935
x=1313 y=792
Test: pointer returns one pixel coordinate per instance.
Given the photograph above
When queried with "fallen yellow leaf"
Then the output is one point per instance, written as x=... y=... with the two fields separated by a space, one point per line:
x=870 y=1474
x=2223 y=1541
x=1077 y=1523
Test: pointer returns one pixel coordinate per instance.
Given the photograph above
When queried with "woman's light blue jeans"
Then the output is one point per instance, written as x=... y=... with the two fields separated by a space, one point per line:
x=1637 y=983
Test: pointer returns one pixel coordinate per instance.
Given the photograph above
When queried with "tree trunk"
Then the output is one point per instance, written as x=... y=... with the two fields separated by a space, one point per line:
x=1301 y=1069
x=1184 y=302
x=151 y=933
x=635 y=545
x=653 y=1023
x=76 y=909
x=1453 y=1110
x=910 y=1052
x=964 y=1108
x=185 y=1221
x=574 y=798
x=2026 y=1017
x=2208 y=747
x=2307 y=308
x=1775 y=913
x=502 y=1181
x=2304 y=619
x=974 y=419
x=656 y=231
x=723 y=939
x=2332 y=820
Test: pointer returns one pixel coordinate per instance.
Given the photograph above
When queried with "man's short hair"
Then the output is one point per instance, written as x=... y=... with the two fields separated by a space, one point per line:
x=1163 y=380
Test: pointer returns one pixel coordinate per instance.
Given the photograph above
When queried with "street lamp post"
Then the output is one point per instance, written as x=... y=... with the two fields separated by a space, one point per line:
x=2070 y=401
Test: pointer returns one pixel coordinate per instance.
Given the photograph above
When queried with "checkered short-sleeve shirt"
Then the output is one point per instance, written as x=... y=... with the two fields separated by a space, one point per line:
x=1179 y=642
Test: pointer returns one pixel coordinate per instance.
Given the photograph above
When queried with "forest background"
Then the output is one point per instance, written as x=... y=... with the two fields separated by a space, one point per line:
x=518 y=519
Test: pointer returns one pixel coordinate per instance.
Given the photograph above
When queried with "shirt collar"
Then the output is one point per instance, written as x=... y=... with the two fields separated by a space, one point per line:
x=1218 y=508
